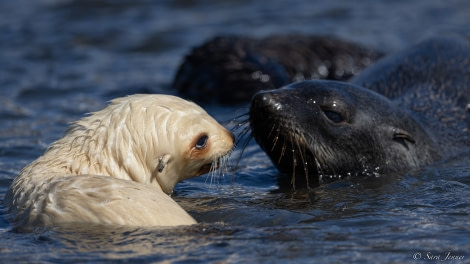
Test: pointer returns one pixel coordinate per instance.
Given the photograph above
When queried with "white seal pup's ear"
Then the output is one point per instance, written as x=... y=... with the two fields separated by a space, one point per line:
x=163 y=161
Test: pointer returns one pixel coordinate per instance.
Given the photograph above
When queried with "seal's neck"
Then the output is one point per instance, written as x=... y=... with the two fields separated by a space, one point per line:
x=93 y=150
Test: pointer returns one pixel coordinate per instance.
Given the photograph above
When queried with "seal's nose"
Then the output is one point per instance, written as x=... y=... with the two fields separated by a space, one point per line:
x=261 y=99
x=266 y=99
x=232 y=136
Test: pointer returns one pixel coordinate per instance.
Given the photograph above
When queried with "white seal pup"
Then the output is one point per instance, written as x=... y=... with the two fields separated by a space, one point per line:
x=118 y=165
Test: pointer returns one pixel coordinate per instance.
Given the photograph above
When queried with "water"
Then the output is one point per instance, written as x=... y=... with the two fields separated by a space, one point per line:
x=62 y=59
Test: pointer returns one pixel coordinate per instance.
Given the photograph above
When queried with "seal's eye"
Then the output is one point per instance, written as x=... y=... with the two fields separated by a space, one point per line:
x=201 y=141
x=334 y=117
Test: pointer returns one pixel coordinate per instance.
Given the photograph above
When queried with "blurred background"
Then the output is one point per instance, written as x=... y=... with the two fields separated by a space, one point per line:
x=60 y=59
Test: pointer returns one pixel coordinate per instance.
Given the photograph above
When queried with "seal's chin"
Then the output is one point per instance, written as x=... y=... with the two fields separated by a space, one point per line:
x=296 y=160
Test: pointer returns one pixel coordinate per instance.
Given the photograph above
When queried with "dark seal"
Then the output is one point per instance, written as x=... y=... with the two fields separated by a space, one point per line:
x=230 y=69
x=406 y=111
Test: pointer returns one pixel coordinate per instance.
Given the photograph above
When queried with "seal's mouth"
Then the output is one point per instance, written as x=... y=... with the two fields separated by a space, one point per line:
x=204 y=169
x=218 y=162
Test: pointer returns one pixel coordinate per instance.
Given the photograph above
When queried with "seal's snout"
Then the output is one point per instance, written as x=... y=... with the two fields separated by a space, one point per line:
x=266 y=99
x=262 y=99
x=232 y=136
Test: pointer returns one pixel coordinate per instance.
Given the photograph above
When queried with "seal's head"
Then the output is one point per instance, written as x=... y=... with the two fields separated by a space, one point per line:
x=327 y=129
x=152 y=139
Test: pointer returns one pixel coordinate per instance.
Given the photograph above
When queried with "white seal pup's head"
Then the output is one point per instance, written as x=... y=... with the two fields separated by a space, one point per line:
x=152 y=139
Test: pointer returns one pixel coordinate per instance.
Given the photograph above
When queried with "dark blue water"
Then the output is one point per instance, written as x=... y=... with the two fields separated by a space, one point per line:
x=60 y=59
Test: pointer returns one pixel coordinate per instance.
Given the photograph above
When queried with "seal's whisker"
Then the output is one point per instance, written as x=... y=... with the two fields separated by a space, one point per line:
x=225 y=162
x=242 y=124
x=219 y=172
x=241 y=136
x=246 y=114
x=293 y=177
x=276 y=138
x=245 y=144
x=271 y=131
x=294 y=162
x=283 y=151
x=244 y=136
x=238 y=124
x=218 y=168
x=304 y=162
x=213 y=171
x=319 y=170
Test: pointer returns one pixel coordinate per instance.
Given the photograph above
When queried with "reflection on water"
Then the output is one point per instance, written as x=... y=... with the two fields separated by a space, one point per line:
x=62 y=59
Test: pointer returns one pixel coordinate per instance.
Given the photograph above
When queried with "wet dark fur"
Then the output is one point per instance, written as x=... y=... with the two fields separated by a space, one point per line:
x=230 y=69
x=408 y=110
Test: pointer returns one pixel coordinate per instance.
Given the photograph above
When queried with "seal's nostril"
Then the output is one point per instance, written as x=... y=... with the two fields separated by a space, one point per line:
x=263 y=99
x=262 y=104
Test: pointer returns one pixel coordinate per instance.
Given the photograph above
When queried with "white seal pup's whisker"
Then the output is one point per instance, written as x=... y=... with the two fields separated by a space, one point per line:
x=218 y=168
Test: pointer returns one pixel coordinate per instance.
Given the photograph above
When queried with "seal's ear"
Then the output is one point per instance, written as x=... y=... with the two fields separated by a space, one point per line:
x=401 y=136
x=163 y=161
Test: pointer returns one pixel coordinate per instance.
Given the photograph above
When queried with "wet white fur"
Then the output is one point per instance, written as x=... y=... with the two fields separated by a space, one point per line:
x=106 y=168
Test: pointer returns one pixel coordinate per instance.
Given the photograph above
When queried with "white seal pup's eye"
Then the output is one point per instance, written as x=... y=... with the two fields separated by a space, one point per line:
x=201 y=141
